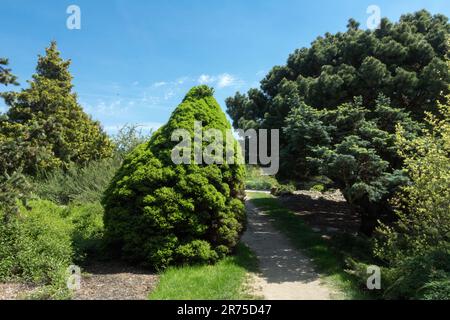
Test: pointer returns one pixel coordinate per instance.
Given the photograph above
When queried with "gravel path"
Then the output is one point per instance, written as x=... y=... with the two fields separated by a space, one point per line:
x=286 y=273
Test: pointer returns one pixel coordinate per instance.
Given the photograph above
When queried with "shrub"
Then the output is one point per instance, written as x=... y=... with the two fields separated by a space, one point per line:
x=417 y=248
x=318 y=188
x=256 y=181
x=284 y=189
x=87 y=222
x=36 y=246
x=159 y=213
x=325 y=133
x=127 y=139
x=77 y=184
x=86 y=183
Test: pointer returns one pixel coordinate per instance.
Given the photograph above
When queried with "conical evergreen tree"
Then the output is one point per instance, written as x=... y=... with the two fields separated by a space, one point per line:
x=161 y=213
x=48 y=120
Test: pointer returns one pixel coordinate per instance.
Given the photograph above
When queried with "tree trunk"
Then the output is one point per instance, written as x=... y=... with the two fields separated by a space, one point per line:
x=370 y=213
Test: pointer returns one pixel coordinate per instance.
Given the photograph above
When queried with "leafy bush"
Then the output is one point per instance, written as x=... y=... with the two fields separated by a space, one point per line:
x=284 y=189
x=87 y=223
x=41 y=242
x=127 y=139
x=36 y=246
x=417 y=248
x=159 y=213
x=318 y=188
x=77 y=184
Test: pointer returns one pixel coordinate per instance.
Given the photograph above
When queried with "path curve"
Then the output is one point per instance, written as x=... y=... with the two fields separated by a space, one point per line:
x=285 y=272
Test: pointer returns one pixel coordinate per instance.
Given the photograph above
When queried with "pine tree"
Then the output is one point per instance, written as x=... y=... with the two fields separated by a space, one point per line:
x=311 y=99
x=6 y=77
x=48 y=123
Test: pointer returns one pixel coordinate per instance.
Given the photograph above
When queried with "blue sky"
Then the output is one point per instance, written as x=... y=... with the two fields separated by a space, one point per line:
x=134 y=60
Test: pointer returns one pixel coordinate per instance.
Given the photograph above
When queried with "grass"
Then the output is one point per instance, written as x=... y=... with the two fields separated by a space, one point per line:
x=255 y=180
x=329 y=258
x=225 y=280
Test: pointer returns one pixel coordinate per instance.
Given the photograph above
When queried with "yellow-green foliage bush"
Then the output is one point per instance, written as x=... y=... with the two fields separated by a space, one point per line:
x=417 y=248
x=159 y=213
x=40 y=242
x=87 y=222
x=36 y=245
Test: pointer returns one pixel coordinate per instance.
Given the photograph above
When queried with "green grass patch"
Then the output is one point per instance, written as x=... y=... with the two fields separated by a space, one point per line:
x=255 y=180
x=328 y=256
x=225 y=280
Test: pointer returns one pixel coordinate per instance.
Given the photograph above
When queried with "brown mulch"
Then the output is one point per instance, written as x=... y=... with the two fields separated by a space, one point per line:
x=15 y=291
x=100 y=281
x=115 y=281
x=327 y=213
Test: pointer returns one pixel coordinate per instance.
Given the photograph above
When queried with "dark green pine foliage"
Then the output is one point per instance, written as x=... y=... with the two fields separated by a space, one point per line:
x=325 y=99
x=13 y=185
x=355 y=147
x=6 y=77
x=405 y=61
x=159 y=213
x=45 y=127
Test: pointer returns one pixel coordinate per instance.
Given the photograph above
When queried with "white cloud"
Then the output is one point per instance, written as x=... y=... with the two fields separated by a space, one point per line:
x=226 y=80
x=183 y=80
x=221 y=81
x=160 y=84
x=205 y=79
x=169 y=94
x=104 y=108
x=174 y=83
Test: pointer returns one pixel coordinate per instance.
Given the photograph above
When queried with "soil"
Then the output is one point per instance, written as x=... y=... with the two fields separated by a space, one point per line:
x=115 y=281
x=15 y=291
x=326 y=213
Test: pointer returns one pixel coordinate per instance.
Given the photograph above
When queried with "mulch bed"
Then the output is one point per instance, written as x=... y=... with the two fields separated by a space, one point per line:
x=115 y=281
x=15 y=291
x=324 y=212
x=100 y=281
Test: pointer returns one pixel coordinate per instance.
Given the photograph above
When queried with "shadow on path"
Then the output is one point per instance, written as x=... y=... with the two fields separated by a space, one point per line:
x=286 y=273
